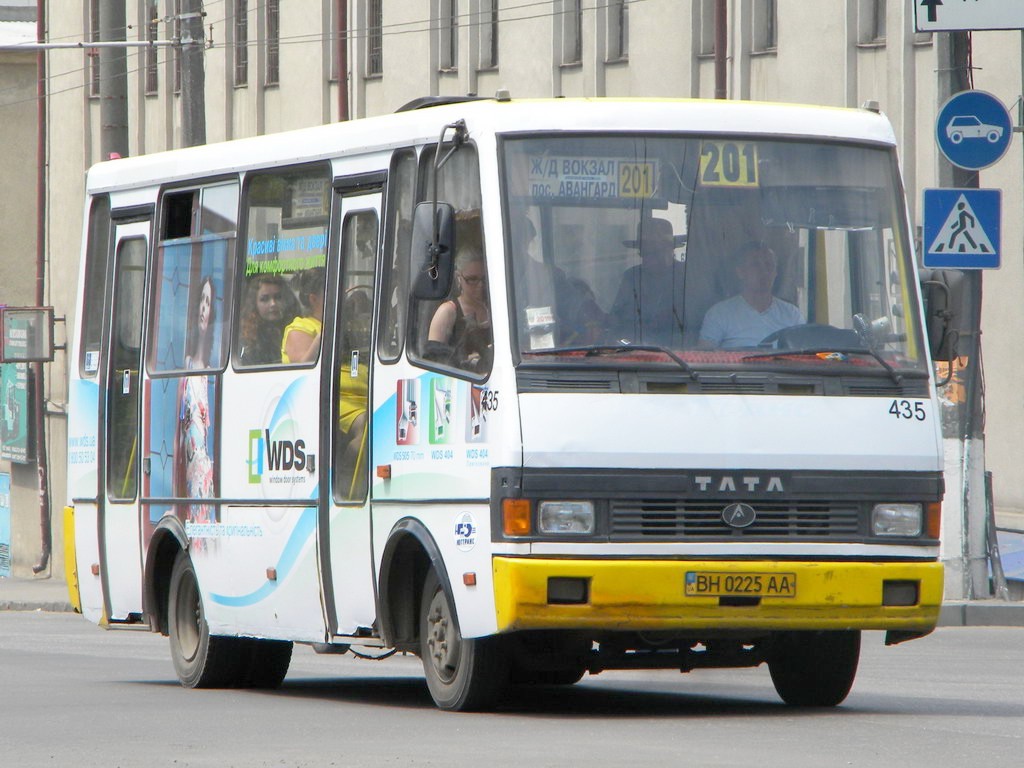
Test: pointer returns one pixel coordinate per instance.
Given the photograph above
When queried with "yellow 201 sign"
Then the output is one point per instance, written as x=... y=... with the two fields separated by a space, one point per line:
x=728 y=164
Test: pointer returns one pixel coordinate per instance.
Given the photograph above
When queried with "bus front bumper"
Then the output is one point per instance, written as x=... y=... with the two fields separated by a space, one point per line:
x=625 y=595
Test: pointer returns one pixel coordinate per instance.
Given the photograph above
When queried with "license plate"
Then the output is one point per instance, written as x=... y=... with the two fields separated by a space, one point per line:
x=721 y=584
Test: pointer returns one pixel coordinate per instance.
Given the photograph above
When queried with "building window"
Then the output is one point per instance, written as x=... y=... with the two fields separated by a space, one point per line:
x=374 y=37
x=152 y=27
x=618 y=30
x=241 y=44
x=448 y=32
x=707 y=28
x=765 y=25
x=273 y=42
x=93 y=54
x=872 y=23
x=488 y=34
x=572 y=32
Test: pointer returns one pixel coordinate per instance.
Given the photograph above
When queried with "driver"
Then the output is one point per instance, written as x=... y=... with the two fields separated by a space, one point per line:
x=754 y=313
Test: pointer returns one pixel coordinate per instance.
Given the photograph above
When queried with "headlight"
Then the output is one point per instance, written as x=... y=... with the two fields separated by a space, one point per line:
x=566 y=517
x=896 y=520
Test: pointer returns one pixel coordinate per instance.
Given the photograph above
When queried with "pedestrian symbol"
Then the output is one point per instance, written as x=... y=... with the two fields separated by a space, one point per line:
x=961 y=228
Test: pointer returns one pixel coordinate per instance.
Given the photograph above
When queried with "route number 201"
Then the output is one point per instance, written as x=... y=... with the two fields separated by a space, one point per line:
x=908 y=409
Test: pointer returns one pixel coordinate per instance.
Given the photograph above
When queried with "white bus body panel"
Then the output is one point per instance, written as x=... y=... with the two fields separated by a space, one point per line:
x=726 y=432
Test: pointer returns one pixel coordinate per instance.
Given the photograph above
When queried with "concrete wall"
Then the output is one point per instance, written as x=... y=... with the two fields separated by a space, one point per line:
x=822 y=56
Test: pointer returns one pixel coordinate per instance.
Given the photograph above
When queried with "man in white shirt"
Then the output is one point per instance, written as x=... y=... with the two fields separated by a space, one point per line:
x=754 y=313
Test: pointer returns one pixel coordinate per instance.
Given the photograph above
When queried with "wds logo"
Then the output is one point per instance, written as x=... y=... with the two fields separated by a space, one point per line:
x=267 y=455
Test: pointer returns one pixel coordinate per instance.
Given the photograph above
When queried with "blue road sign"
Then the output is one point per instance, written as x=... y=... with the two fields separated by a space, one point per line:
x=973 y=129
x=961 y=228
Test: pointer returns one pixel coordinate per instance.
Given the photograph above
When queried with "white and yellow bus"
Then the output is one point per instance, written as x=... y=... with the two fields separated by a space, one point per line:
x=528 y=388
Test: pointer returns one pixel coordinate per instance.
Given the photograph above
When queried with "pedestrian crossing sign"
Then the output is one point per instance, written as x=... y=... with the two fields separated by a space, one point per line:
x=961 y=228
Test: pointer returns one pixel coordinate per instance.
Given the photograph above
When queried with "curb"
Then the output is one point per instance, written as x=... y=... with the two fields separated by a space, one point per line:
x=53 y=606
x=978 y=613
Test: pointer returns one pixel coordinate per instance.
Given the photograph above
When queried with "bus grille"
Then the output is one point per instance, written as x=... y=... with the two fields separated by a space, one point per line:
x=667 y=520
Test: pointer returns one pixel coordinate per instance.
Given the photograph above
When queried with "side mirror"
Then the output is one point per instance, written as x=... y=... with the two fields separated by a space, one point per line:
x=433 y=250
x=943 y=293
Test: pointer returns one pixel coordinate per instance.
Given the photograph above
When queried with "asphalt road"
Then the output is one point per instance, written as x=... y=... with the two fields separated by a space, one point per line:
x=74 y=695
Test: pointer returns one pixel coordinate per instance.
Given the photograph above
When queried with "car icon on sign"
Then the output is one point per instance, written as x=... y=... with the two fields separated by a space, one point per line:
x=970 y=127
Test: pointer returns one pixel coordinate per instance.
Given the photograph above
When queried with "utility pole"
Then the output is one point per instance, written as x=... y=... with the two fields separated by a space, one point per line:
x=193 y=74
x=967 y=443
x=721 y=48
x=113 y=81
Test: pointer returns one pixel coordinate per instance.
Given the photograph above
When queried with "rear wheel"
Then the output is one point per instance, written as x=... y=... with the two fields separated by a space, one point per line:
x=200 y=660
x=462 y=674
x=814 y=669
x=205 y=661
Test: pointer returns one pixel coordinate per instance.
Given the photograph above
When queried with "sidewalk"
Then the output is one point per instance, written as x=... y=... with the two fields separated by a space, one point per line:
x=52 y=595
x=44 y=594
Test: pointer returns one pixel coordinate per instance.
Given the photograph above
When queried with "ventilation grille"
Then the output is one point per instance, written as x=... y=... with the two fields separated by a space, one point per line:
x=670 y=520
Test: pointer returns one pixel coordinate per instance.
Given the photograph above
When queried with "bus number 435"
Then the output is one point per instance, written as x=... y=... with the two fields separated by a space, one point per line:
x=905 y=409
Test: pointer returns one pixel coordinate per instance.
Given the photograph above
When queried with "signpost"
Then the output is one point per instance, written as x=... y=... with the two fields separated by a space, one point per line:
x=955 y=15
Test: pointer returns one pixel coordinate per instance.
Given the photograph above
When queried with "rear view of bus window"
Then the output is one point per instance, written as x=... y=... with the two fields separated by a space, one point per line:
x=282 y=305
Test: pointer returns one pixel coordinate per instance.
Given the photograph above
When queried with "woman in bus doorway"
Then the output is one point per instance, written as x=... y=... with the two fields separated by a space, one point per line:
x=194 y=465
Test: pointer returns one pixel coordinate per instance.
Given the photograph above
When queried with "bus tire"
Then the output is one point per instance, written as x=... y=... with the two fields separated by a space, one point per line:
x=267 y=662
x=463 y=675
x=201 y=660
x=814 y=669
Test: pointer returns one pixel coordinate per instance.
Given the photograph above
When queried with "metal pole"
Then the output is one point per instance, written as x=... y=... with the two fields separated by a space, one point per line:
x=341 y=30
x=113 y=81
x=721 y=46
x=193 y=75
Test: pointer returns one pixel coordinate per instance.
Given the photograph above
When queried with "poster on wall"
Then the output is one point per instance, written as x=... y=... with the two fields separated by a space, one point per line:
x=14 y=413
x=5 y=524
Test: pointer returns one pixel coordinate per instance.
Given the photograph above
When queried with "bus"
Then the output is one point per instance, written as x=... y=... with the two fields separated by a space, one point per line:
x=528 y=388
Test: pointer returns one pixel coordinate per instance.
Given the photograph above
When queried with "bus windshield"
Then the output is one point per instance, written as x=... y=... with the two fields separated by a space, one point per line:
x=710 y=252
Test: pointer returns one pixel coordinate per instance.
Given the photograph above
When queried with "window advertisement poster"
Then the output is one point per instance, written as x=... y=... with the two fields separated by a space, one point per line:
x=14 y=413
x=5 y=524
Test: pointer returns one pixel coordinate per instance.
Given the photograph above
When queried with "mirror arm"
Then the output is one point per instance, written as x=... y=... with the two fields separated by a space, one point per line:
x=458 y=139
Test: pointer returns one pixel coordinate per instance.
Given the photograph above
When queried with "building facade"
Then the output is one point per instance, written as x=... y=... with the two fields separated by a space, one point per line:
x=271 y=66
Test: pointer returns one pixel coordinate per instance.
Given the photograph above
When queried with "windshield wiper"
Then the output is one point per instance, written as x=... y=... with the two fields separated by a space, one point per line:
x=593 y=350
x=896 y=376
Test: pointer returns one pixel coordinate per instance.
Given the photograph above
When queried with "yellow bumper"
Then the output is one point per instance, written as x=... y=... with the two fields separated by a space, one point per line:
x=71 y=559
x=650 y=595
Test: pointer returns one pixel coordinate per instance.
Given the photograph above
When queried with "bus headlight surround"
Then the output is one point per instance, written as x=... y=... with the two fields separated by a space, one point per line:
x=902 y=520
x=575 y=518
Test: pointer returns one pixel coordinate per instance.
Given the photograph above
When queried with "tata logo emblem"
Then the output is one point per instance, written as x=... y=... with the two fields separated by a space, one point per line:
x=739 y=515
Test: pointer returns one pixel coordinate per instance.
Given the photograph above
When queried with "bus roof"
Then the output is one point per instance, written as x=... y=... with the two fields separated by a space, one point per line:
x=492 y=116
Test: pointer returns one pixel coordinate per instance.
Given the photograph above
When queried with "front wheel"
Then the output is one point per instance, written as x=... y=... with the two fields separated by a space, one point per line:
x=462 y=674
x=814 y=669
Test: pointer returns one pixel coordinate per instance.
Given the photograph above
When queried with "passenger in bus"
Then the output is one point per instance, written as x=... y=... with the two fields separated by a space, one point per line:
x=460 y=330
x=301 y=340
x=544 y=290
x=269 y=306
x=754 y=313
x=193 y=465
x=648 y=303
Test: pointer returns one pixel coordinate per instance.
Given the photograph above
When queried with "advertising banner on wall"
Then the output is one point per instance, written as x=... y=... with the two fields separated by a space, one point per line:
x=14 y=413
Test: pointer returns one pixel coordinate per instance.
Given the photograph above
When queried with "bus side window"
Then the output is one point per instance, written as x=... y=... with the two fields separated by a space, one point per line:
x=284 y=264
x=97 y=252
x=397 y=241
x=192 y=296
x=456 y=332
